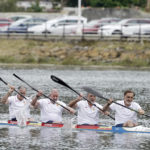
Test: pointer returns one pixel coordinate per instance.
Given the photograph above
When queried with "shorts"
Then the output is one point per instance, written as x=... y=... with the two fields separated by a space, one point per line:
x=119 y=125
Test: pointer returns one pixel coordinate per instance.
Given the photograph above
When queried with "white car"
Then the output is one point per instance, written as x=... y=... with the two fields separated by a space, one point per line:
x=140 y=29
x=66 y=29
x=121 y=27
x=53 y=25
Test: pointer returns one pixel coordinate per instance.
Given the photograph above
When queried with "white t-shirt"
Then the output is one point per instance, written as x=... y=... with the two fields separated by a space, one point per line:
x=16 y=106
x=87 y=114
x=122 y=114
x=50 y=111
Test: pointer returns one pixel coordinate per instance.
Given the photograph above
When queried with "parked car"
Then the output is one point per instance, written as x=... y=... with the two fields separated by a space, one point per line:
x=65 y=29
x=140 y=29
x=93 y=26
x=18 y=17
x=118 y=28
x=5 y=22
x=22 y=25
x=53 y=25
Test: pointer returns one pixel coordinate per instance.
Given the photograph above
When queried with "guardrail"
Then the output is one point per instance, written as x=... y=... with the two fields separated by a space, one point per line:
x=73 y=37
x=69 y=32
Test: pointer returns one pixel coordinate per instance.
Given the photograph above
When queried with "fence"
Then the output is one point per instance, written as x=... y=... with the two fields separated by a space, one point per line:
x=69 y=32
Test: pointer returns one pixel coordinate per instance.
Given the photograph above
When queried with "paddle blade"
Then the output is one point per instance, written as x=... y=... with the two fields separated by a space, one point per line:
x=17 y=77
x=89 y=90
x=57 y=80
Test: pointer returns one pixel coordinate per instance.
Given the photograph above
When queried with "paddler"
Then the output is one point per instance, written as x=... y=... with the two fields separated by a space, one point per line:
x=51 y=111
x=17 y=104
x=88 y=114
x=123 y=116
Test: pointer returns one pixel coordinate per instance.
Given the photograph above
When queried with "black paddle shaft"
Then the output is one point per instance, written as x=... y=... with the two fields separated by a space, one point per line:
x=59 y=81
x=87 y=89
x=14 y=89
x=38 y=91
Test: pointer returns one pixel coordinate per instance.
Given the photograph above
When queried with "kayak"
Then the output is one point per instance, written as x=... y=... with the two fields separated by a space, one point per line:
x=32 y=123
x=113 y=129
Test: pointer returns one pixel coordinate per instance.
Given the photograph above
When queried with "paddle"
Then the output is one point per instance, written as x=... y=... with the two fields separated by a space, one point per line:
x=14 y=89
x=87 y=89
x=59 y=81
x=38 y=91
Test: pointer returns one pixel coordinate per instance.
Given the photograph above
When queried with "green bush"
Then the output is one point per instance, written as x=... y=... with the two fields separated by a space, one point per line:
x=28 y=59
x=7 y=59
x=8 y=5
x=109 y=3
x=71 y=61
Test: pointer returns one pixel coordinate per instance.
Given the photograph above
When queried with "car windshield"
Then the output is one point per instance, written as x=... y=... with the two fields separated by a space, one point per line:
x=122 y=21
x=92 y=23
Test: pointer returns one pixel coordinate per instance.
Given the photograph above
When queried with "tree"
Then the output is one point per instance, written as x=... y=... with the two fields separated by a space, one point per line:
x=108 y=3
x=8 y=5
x=36 y=7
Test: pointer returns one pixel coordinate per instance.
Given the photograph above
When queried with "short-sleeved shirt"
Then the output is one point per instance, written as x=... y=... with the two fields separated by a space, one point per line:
x=16 y=106
x=50 y=111
x=122 y=114
x=87 y=114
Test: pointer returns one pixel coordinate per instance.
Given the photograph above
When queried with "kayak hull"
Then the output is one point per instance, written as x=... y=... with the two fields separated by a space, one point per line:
x=137 y=129
x=113 y=129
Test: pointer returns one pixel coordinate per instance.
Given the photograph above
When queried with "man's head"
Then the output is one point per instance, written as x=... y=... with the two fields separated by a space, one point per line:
x=128 y=97
x=22 y=91
x=54 y=94
x=91 y=97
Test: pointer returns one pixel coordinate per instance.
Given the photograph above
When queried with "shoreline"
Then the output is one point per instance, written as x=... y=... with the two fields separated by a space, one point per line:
x=68 y=67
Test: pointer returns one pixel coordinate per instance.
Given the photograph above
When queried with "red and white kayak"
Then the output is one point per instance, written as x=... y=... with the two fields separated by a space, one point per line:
x=32 y=123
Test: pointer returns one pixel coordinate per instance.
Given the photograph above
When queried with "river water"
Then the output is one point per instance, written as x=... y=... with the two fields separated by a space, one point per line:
x=110 y=83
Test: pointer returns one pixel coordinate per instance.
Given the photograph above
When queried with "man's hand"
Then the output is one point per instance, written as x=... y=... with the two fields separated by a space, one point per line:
x=40 y=93
x=107 y=113
x=11 y=89
x=141 y=112
x=110 y=102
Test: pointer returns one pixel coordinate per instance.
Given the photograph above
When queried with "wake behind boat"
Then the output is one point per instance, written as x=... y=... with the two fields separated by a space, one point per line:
x=113 y=129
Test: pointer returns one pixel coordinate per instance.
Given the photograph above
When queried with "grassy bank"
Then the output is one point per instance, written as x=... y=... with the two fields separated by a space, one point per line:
x=83 y=53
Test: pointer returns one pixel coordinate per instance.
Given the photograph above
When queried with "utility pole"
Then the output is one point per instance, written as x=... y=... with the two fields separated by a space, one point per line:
x=79 y=29
x=148 y=5
x=62 y=4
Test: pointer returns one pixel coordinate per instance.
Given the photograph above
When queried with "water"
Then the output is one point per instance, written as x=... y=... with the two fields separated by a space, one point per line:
x=110 y=84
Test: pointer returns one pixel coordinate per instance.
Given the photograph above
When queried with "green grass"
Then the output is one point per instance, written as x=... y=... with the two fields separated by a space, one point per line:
x=71 y=61
x=100 y=53
x=7 y=59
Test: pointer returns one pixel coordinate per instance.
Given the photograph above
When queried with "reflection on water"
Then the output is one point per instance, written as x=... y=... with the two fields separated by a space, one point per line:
x=86 y=139
x=129 y=140
x=57 y=139
x=50 y=138
x=109 y=83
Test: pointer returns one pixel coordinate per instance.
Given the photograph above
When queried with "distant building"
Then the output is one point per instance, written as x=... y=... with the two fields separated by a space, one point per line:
x=45 y=4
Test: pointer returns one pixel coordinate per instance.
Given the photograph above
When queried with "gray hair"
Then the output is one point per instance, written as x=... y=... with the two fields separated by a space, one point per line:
x=21 y=88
